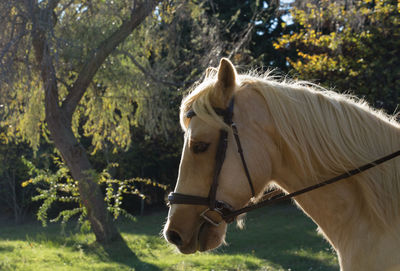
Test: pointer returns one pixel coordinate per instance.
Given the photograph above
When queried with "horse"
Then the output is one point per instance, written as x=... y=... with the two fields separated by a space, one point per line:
x=293 y=134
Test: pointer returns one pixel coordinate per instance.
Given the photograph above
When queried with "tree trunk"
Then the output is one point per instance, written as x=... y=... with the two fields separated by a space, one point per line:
x=71 y=150
x=77 y=161
x=58 y=118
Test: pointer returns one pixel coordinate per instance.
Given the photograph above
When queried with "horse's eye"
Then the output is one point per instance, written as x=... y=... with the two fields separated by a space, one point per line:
x=199 y=147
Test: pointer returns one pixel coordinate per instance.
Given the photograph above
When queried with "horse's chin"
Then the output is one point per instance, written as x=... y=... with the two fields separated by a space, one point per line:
x=211 y=237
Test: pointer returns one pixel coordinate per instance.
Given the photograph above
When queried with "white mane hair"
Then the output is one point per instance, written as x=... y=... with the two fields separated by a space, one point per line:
x=321 y=129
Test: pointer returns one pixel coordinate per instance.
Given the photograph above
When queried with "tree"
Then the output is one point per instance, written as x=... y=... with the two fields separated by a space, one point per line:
x=350 y=44
x=249 y=29
x=51 y=54
x=13 y=198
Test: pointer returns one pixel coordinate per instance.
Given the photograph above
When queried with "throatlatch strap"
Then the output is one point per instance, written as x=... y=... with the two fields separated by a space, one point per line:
x=240 y=151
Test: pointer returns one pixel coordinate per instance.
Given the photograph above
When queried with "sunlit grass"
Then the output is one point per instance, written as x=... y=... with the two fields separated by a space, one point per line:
x=276 y=238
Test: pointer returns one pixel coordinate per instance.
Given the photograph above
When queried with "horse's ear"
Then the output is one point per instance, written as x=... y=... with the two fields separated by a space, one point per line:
x=210 y=71
x=226 y=74
x=226 y=82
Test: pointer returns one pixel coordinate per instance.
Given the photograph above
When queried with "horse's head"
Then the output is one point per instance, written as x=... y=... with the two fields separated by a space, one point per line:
x=186 y=227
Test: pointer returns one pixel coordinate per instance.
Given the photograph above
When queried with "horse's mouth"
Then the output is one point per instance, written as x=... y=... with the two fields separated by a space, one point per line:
x=198 y=241
x=202 y=237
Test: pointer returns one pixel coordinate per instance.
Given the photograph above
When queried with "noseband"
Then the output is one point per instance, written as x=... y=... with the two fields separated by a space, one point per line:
x=226 y=211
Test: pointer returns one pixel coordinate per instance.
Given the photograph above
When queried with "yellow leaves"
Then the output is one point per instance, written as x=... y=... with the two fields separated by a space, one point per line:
x=353 y=73
x=286 y=40
x=322 y=52
x=13 y=11
x=277 y=45
x=4 y=138
x=108 y=120
x=308 y=37
x=311 y=63
x=26 y=183
x=25 y=112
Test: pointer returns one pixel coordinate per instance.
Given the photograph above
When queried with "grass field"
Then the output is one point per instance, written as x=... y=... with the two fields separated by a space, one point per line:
x=275 y=238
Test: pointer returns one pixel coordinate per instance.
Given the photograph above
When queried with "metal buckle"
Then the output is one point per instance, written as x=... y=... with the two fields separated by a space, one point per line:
x=209 y=220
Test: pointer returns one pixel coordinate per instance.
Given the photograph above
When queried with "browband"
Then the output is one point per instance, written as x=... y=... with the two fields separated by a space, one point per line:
x=227 y=113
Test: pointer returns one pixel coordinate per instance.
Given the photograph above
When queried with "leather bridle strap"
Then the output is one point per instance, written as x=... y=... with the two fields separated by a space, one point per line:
x=282 y=197
x=219 y=161
x=240 y=151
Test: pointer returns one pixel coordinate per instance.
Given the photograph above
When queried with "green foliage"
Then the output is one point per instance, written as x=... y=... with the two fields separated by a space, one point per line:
x=121 y=96
x=52 y=187
x=353 y=46
x=14 y=200
x=55 y=187
x=115 y=189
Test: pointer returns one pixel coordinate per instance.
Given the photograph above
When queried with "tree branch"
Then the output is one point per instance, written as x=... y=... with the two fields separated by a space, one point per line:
x=146 y=72
x=15 y=40
x=98 y=55
x=64 y=7
x=44 y=58
x=246 y=36
x=52 y=4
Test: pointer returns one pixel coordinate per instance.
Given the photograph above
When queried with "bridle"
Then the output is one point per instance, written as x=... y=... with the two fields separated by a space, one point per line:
x=226 y=211
x=221 y=207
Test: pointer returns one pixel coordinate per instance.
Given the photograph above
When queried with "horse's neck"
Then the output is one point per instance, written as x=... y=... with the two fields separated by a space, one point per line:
x=327 y=206
x=338 y=209
x=339 y=212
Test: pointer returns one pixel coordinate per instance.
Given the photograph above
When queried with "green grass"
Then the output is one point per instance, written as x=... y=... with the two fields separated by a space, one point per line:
x=275 y=238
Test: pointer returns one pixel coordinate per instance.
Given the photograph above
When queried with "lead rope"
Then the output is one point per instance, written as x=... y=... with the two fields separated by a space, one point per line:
x=272 y=200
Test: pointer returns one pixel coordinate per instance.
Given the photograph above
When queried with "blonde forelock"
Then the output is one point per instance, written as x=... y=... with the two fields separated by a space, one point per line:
x=200 y=100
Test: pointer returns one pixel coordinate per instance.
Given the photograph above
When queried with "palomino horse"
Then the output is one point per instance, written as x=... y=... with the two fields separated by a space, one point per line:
x=293 y=135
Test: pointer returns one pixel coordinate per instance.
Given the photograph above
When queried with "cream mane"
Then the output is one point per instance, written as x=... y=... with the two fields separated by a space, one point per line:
x=322 y=129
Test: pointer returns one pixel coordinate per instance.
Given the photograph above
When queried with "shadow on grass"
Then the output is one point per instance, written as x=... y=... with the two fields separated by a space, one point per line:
x=6 y=248
x=282 y=235
x=52 y=236
x=119 y=252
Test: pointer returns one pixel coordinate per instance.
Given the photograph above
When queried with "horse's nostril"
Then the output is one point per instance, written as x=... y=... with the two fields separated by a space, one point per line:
x=174 y=238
